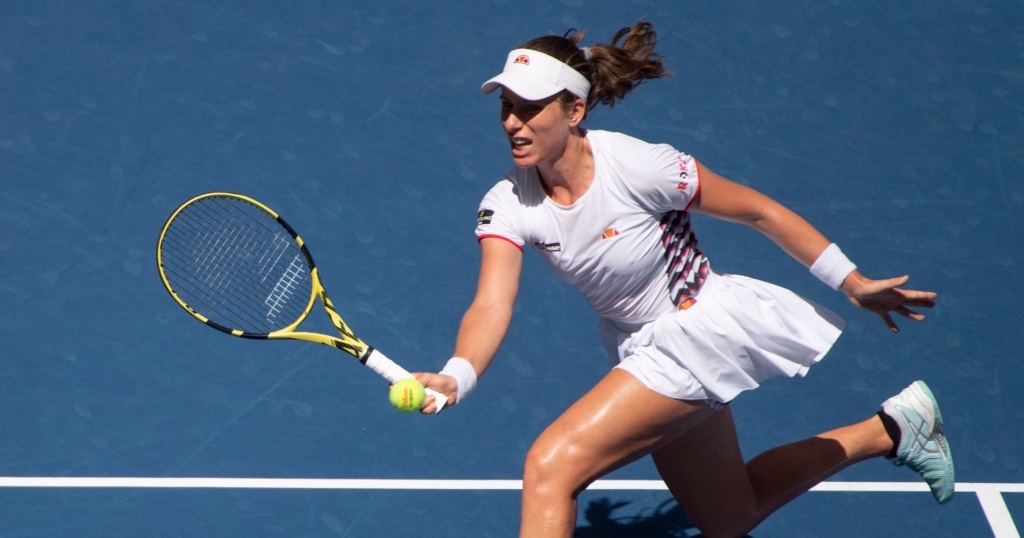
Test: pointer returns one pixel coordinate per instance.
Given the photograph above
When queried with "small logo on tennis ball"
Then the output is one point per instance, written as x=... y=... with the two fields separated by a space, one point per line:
x=407 y=395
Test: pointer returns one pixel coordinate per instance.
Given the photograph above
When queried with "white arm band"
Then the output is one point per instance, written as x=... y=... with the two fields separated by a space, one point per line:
x=832 y=267
x=464 y=374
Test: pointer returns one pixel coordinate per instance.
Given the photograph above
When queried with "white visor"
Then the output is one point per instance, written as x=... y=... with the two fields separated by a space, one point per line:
x=534 y=76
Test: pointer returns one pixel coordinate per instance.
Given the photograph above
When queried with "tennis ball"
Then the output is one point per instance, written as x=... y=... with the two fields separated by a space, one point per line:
x=407 y=395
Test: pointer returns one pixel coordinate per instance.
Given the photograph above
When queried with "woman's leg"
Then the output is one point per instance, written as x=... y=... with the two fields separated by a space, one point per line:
x=617 y=422
x=726 y=497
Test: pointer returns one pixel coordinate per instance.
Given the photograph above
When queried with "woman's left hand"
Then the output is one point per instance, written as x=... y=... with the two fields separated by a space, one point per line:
x=883 y=297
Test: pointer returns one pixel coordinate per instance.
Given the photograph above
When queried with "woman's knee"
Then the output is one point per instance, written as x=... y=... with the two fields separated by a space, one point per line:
x=551 y=468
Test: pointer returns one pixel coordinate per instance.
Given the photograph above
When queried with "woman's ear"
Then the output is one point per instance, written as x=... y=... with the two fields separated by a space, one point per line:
x=577 y=112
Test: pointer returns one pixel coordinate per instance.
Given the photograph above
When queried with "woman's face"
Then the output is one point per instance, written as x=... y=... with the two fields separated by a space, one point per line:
x=537 y=131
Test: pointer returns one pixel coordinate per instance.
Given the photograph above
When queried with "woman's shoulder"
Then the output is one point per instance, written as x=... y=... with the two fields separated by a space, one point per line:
x=628 y=153
x=613 y=138
x=622 y=146
x=518 y=185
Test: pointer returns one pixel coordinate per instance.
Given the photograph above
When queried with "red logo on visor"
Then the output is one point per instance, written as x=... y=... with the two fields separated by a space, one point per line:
x=522 y=59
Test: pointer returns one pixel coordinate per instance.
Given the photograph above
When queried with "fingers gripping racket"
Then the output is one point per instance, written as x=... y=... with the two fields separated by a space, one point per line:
x=235 y=265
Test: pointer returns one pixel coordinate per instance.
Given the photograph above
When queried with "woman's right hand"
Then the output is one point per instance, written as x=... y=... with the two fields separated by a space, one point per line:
x=443 y=384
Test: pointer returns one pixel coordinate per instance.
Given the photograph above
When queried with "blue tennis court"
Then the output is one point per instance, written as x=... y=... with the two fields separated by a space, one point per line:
x=898 y=130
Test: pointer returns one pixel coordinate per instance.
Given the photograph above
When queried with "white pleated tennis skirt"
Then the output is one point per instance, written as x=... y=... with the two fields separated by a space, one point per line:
x=739 y=332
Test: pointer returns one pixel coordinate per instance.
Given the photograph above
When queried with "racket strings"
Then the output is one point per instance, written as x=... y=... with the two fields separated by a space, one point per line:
x=237 y=265
x=232 y=260
x=205 y=271
x=241 y=241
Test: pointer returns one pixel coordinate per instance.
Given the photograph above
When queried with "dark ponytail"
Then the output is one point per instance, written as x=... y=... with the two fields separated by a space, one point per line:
x=613 y=69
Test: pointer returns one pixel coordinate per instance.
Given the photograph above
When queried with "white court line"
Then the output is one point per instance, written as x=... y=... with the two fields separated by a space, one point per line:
x=989 y=494
x=998 y=514
x=426 y=484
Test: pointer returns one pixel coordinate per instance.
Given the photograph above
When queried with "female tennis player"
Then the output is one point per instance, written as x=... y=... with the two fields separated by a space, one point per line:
x=611 y=215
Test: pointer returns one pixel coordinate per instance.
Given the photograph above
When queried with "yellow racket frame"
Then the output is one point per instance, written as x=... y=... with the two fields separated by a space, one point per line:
x=348 y=342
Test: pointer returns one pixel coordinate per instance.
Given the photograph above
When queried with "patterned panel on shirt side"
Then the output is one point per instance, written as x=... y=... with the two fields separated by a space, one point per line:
x=685 y=264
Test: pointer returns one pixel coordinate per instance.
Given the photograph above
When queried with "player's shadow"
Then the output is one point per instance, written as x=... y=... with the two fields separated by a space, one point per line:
x=667 y=520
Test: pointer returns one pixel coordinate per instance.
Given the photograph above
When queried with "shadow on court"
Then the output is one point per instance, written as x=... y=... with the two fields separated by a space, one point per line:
x=667 y=520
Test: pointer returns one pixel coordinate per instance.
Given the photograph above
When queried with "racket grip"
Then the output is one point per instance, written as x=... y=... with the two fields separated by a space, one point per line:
x=390 y=370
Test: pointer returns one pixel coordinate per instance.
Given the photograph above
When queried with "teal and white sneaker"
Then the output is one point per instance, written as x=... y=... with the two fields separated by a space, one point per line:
x=922 y=446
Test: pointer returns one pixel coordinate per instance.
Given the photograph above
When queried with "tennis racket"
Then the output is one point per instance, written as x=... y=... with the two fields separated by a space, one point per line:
x=234 y=264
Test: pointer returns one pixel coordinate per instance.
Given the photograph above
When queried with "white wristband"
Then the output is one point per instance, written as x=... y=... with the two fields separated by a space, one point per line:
x=464 y=374
x=832 y=267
